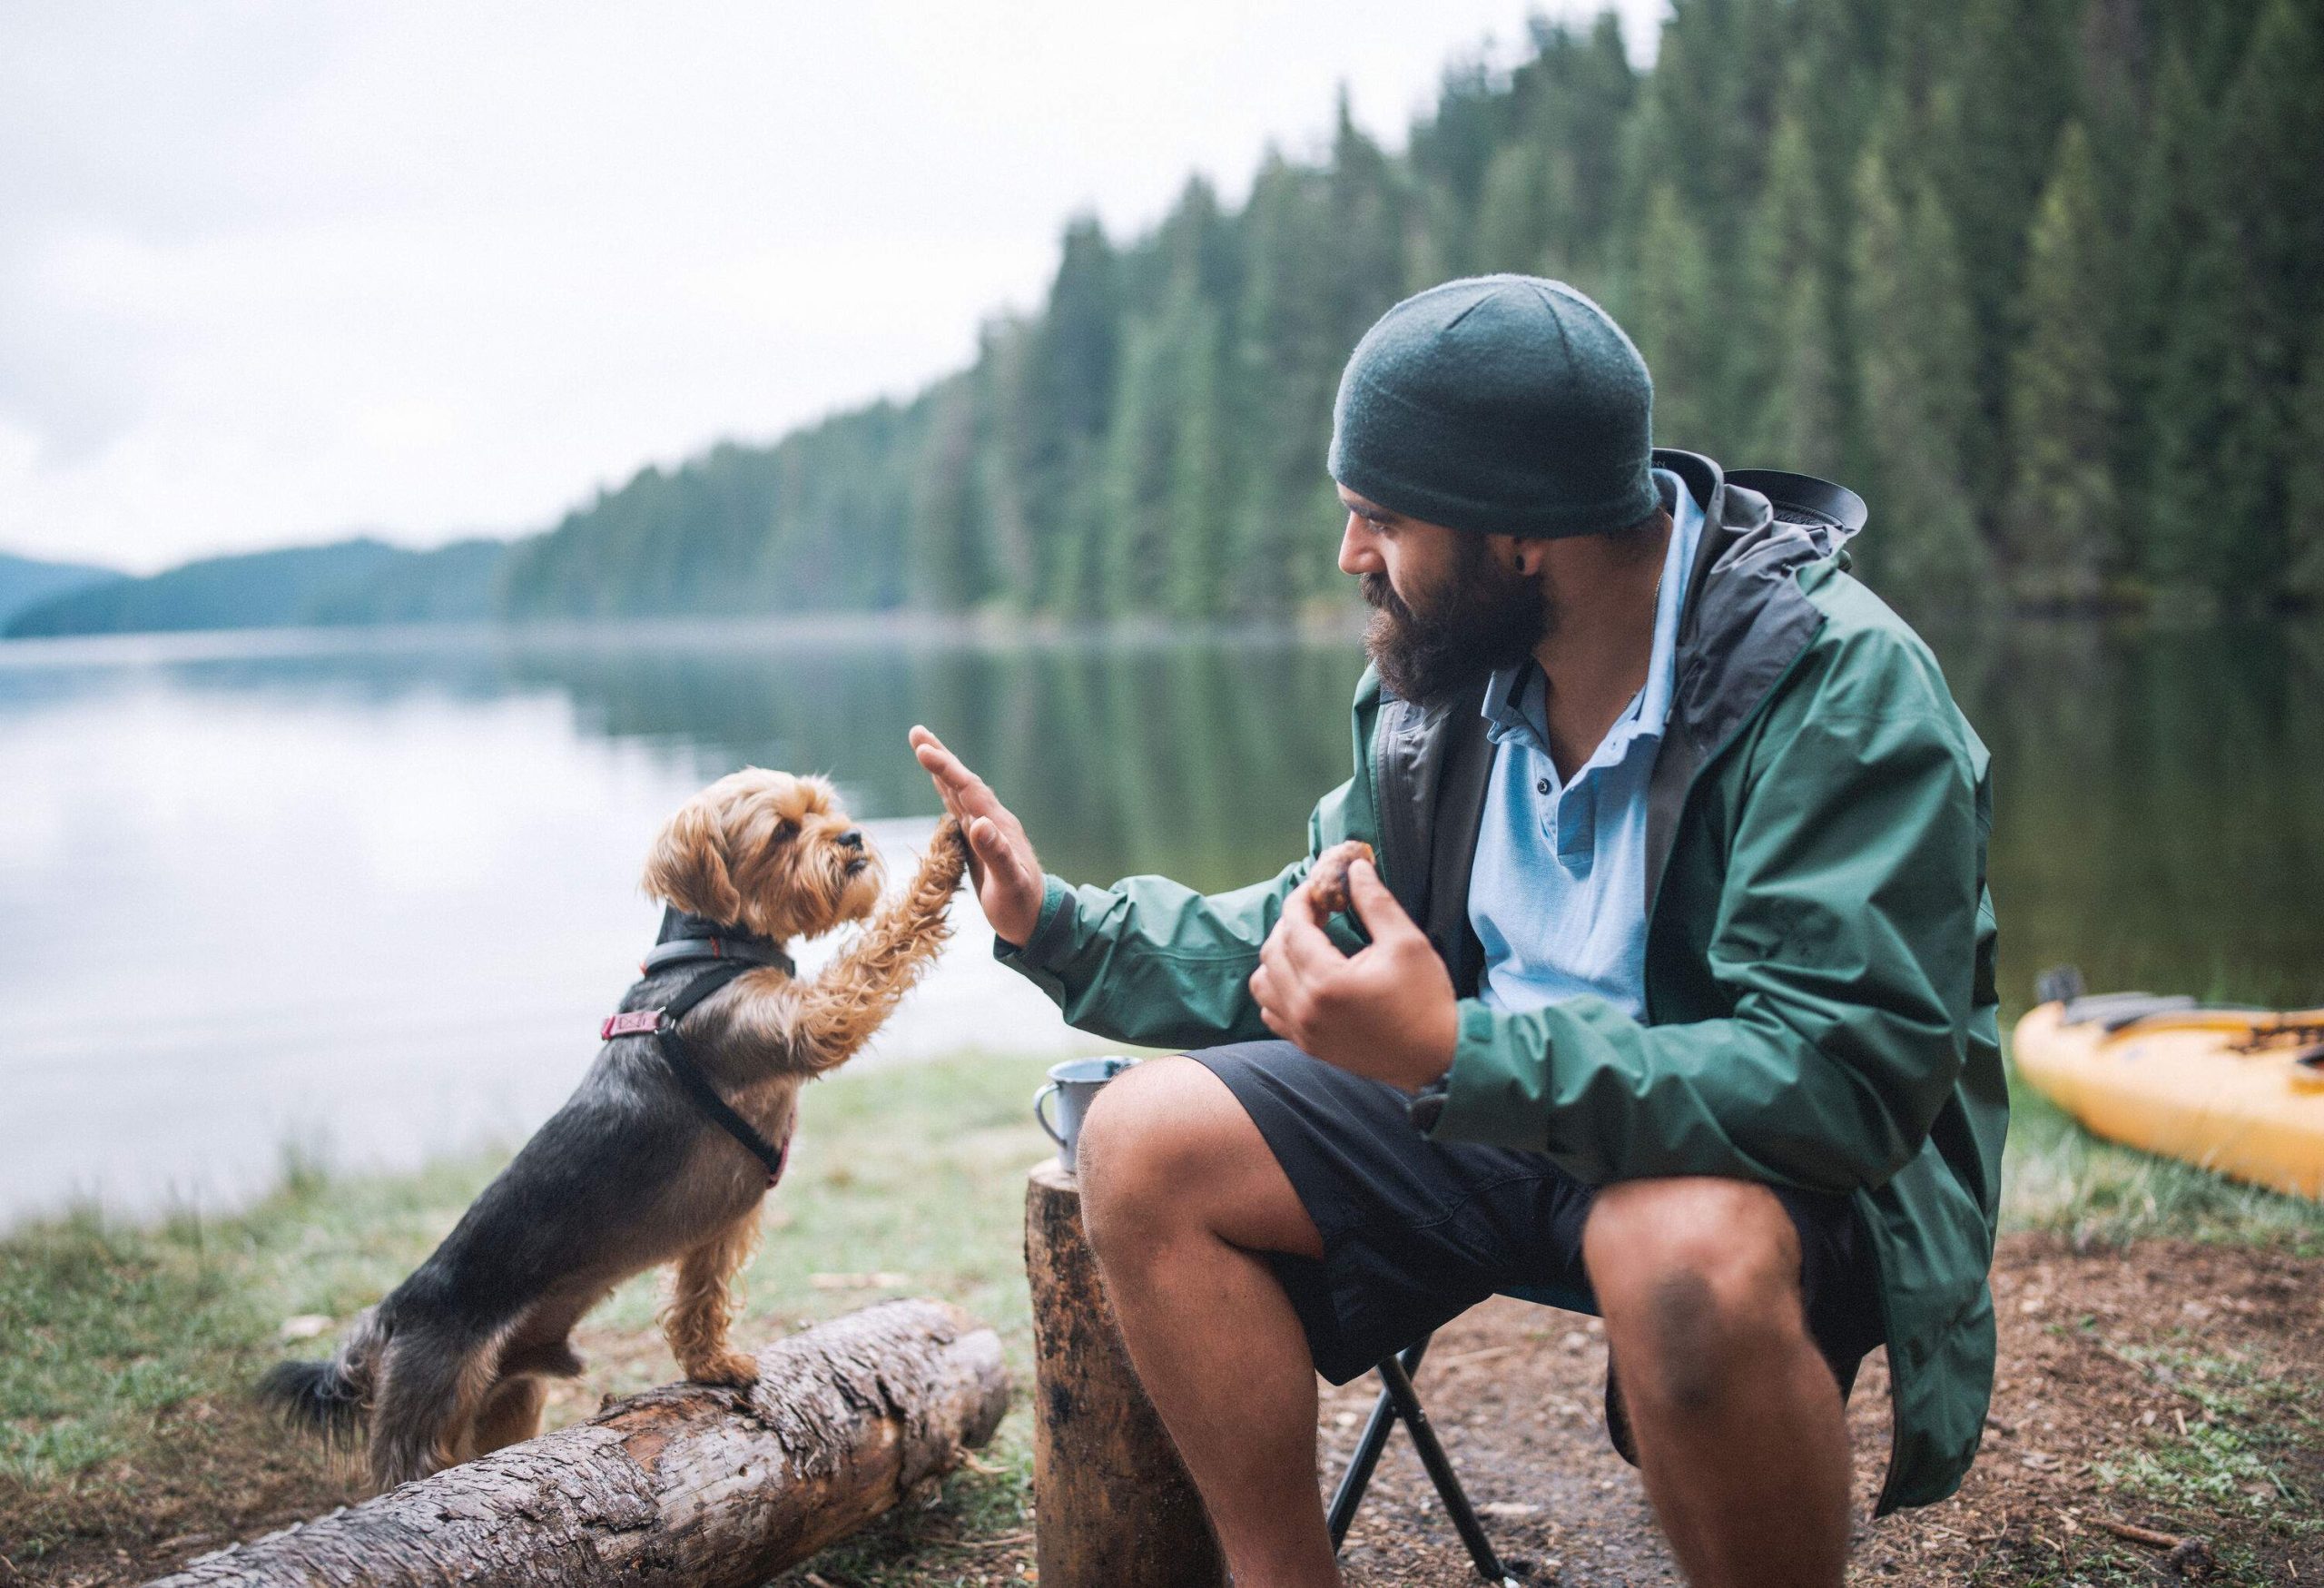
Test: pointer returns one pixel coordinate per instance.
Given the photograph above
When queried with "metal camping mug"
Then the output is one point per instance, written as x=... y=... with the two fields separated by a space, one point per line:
x=1073 y=1084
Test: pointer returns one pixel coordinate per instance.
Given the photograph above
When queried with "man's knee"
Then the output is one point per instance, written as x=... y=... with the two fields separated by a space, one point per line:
x=1698 y=1280
x=1146 y=1133
x=1166 y=1149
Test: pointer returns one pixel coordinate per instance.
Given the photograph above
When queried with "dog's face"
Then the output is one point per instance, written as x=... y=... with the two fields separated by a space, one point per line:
x=766 y=850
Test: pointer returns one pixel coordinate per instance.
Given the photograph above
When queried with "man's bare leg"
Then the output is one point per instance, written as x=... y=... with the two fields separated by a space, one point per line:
x=1738 y=1418
x=1180 y=1195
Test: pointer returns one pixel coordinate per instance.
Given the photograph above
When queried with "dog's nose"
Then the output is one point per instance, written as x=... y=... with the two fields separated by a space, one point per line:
x=852 y=839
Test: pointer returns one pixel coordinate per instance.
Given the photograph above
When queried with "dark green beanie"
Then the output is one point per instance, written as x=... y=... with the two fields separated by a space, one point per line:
x=1505 y=405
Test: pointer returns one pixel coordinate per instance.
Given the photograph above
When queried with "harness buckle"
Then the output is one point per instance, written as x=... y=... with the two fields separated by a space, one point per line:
x=635 y=1023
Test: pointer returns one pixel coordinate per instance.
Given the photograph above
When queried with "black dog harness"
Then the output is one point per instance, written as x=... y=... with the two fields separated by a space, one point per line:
x=723 y=955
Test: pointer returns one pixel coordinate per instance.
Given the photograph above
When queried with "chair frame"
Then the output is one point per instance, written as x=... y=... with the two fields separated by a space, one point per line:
x=1400 y=1402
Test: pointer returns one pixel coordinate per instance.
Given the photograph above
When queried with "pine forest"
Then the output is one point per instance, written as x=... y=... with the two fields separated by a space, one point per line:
x=2043 y=279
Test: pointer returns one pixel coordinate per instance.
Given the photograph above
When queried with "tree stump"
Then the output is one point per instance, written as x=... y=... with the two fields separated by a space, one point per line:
x=1113 y=1506
x=686 y=1486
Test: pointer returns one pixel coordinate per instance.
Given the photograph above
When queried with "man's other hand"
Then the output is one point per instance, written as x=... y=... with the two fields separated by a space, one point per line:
x=1001 y=866
x=1387 y=1012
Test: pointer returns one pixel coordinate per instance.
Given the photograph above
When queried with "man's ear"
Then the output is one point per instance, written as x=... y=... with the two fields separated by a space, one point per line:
x=687 y=866
x=1520 y=554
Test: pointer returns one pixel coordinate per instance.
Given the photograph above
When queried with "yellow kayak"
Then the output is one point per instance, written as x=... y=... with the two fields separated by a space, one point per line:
x=2237 y=1091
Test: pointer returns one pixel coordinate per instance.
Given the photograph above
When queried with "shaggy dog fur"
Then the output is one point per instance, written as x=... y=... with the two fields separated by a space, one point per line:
x=630 y=1173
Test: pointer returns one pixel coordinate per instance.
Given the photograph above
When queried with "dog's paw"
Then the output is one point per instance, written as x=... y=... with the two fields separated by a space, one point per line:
x=731 y=1369
x=948 y=852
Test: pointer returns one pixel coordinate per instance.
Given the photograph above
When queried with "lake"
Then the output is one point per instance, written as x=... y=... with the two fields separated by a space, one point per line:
x=364 y=896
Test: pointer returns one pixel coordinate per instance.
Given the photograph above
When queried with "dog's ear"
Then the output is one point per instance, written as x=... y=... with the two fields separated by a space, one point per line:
x=688 y=865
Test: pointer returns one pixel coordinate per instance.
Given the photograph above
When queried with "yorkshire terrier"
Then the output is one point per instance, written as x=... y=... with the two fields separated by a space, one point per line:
x=640 y=1166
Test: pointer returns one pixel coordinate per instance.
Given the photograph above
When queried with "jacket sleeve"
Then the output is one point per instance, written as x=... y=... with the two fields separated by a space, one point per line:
x=1845 y=935
x=1153 y=962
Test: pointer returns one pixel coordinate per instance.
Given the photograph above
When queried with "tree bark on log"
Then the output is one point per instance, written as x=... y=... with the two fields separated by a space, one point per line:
x=1113 y=1506
x=714 y=1488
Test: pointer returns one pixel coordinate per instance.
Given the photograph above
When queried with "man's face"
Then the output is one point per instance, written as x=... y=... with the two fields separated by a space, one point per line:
x=1446 y=610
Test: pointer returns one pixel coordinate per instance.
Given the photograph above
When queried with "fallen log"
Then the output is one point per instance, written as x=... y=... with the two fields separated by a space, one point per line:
x=714 y=1488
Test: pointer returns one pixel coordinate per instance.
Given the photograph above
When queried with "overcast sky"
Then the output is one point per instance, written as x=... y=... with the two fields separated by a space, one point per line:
x=273 y=272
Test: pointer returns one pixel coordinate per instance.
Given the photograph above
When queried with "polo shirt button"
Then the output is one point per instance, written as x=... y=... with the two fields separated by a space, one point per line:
x=1542 y=786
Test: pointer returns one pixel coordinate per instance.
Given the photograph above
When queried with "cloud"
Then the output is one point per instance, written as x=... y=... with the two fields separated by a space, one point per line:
x=269 y=271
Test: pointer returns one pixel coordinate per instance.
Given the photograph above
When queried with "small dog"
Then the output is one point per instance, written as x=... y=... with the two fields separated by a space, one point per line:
x=634 y=1170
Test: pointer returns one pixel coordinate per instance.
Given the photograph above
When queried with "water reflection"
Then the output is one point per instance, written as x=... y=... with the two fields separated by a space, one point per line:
x=231 y=867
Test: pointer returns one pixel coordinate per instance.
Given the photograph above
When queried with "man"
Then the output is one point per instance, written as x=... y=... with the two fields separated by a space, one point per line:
x=1674 y=986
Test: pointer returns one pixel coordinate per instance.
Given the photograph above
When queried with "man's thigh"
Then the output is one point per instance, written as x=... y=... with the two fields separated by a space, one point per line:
x=1414 y=1232
x=1411 y=1232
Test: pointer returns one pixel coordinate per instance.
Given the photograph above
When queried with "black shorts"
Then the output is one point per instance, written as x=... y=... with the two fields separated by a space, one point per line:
x=1416 y=1232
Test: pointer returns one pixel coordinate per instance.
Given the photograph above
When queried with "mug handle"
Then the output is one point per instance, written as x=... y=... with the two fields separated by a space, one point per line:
x=1041 y=1119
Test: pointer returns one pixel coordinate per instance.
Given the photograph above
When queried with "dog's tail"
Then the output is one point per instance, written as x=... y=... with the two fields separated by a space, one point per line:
x=331 y=1398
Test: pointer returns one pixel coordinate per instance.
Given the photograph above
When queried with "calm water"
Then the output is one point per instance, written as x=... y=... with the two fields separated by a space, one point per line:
x=368 y=896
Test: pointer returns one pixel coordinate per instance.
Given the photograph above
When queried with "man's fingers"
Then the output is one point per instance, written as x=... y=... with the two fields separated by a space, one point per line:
x=1263 y=987
x=992 y=847
x=1374 y=905
x=954 y=781
x=1308 y=951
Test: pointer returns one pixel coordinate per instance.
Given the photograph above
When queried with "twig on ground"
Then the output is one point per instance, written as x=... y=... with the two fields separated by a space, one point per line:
x=2145 y=1536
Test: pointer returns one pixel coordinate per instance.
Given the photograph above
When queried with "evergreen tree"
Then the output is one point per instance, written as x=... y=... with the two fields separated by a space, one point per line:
x=2227 y=392
x=1291 y=348
x=1201 y=481
x=2061 y=530
x=2304 y=518
x=1069 y=392
x=950 y=542
x=1669 y=303
x=2010 y=88
x=1788 y=399
x=1914 y=337
x=2164 y=215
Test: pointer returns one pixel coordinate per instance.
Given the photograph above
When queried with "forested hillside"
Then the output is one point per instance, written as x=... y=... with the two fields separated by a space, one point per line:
x=346 y=582
x=2040 y=277
x=28 y=581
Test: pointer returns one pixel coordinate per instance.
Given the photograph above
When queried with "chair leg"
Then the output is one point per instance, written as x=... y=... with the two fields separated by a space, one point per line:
x=1440 y=1472
x=1358 y=1475
x=1399 y=1399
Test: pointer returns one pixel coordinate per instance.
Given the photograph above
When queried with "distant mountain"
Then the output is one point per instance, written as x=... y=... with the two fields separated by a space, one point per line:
x=452 y=584
x=27 y=582
x=349 y=581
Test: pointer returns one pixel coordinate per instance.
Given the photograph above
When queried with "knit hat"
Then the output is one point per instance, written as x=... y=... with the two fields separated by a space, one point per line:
x=1503 y=405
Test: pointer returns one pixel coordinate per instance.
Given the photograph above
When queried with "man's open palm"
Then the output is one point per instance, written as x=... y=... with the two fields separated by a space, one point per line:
x=1001 y=866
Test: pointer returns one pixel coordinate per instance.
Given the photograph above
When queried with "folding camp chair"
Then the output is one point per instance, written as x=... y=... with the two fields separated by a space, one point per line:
x=1399 y=1401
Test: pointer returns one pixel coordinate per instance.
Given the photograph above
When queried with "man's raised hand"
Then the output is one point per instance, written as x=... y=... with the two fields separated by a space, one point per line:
x=1001 y=866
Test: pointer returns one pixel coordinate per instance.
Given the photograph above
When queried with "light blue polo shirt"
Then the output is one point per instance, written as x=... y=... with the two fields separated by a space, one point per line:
x=1557 y=894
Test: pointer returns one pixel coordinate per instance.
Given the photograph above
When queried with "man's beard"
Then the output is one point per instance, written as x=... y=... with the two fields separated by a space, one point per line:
x=1484 y=618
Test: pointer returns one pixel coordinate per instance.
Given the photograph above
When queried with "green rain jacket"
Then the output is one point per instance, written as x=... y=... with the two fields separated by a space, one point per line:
x=1820 y=1007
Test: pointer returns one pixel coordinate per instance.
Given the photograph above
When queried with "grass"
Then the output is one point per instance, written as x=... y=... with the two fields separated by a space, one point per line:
x=129 y=1347
x=2057 y=1177
x=123 y=1385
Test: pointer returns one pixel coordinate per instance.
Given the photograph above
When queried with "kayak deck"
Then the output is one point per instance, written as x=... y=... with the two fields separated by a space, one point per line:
x=2238 y=1092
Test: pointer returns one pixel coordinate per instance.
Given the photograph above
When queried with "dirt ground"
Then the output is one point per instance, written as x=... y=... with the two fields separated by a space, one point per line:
x=2098 y=1358
x=2172 y=1388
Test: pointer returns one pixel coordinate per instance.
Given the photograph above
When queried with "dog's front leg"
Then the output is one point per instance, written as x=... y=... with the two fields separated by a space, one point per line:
x=837 y=1013
x=704 y=1303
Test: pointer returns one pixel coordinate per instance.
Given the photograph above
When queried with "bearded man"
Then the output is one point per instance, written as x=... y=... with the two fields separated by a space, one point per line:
x=1674 y=985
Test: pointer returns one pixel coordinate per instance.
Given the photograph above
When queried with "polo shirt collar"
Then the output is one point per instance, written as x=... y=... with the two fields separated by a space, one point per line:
x=1516 y=704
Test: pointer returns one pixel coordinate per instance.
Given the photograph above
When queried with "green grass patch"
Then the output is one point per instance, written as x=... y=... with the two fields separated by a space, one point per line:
x=2056 y=1176
x=2241 y=1423
x=131 y=1347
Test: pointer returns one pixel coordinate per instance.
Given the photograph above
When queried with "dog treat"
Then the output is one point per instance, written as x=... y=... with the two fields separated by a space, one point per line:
x=1327 y=883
